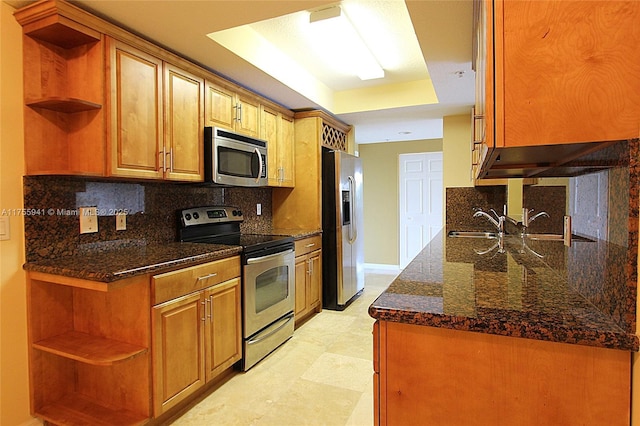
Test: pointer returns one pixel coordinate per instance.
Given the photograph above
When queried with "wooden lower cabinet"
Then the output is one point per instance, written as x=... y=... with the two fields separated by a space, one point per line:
x=308 y=277
x=196 y=337
x=437 y=376
x=89 y=357
x=126 y=352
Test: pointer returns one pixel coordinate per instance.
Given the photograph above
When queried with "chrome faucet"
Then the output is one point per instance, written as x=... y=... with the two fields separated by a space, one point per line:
x=526 y=219
x=499 y=223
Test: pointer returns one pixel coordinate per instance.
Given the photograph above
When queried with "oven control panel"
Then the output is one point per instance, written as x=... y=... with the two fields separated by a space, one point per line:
x=208 y=215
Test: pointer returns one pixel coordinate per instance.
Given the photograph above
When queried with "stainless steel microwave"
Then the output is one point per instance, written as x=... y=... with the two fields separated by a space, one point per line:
x=234 y=159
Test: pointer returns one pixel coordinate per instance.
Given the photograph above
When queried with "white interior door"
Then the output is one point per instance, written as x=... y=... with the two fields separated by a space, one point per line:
x=420 y=202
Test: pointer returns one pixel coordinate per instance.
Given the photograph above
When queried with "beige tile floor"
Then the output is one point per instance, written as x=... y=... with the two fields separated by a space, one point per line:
x=322 y=376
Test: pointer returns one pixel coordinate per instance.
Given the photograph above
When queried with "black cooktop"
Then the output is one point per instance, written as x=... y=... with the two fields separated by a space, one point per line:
x=221 y=225
x=245 y=240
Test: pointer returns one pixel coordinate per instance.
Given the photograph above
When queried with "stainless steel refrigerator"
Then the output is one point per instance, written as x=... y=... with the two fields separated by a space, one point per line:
x=342 y=229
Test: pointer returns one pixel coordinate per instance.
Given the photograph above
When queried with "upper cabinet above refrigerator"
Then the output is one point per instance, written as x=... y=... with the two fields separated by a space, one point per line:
x=553 y=73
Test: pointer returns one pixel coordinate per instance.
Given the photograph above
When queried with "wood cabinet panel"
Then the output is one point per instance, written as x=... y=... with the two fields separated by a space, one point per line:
x=286 y=151
x=184 y=146
x=226 y=107
x=174 y=284
x=269 y=132
x=178 y=350
x=568 y=72
x=302 y=207
x=224 y=336
x=556 y=73
x=220 y=106
x=301 y=285
x=315 y=279
x=136 y=127
x=278 y=130
x=453 y=377
x=248 y=112
x=308 y=283
x=198 y=336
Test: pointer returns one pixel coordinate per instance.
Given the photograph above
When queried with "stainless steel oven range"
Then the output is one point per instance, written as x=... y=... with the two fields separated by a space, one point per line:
x=268 y=280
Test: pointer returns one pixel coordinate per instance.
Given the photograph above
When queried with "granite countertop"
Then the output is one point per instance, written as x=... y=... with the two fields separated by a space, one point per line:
x=539 y=290
x=111 y=262
x=297 y=234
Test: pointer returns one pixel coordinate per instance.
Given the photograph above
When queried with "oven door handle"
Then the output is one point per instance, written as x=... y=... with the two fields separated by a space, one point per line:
x=284 y=320
x=268 y=257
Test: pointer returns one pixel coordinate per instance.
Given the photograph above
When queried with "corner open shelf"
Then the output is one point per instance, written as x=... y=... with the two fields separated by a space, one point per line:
x=75 y=408
x=66 y=105
x=89 y=349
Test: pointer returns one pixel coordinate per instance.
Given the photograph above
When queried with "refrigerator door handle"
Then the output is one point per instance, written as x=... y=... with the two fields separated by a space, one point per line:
x=353 y=229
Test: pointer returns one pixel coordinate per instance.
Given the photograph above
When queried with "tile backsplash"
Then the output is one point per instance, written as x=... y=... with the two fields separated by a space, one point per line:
x=151 y=212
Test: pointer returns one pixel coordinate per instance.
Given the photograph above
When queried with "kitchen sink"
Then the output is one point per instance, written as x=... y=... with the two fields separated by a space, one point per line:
x=472 y=234
x=556 y=237
x=534 y=237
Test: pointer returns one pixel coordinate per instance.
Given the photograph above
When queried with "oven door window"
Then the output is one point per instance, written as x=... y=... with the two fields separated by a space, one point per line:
x=272 y=287
x=235 y=162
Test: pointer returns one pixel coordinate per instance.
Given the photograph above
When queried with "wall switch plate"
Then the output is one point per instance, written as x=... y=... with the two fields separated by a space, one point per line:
x=121 y=222
x=258 y=209
x=5 y=228
x=88 y=220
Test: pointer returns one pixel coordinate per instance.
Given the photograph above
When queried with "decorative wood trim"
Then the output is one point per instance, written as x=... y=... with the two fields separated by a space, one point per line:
x=326 y=118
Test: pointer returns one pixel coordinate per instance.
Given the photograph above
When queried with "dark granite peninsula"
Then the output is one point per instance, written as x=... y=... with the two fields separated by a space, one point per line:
x=533 y=289
x=490 y=331
x=478 y=331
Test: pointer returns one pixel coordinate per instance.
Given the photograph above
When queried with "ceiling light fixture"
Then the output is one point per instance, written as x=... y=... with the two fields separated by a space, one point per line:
x=344 y=43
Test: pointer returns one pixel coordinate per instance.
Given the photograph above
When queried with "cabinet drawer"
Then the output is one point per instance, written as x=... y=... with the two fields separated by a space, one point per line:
x=307 y=245
x=174 y=284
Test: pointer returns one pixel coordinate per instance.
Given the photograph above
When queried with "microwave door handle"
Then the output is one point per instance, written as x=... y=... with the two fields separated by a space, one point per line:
x=257 y=152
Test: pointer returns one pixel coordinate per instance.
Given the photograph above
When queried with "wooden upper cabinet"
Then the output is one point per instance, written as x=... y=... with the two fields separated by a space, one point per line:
x=156 y=119
x=286 y=151
x=184 y=106
x=226 y=108
x=565 y=71
x=248 y=112
x=278 y=130
x=100 y=101
x=220 y=106
x=136 y=123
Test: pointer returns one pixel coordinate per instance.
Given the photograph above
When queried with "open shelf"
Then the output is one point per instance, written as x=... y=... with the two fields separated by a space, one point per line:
x=74 y=409
x=89 y=349
x=61 y=104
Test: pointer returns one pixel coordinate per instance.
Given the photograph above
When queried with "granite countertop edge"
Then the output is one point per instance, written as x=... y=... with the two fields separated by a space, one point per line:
x=82 y=267
x=402 y=300
x=608 y=340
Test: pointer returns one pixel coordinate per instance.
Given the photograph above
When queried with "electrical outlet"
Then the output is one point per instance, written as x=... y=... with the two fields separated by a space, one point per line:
x=88 y=220
x=258 y=209
x=121 y=222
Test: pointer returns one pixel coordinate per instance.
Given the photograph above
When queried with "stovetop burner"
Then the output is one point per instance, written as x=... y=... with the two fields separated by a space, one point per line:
x=221 y=225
